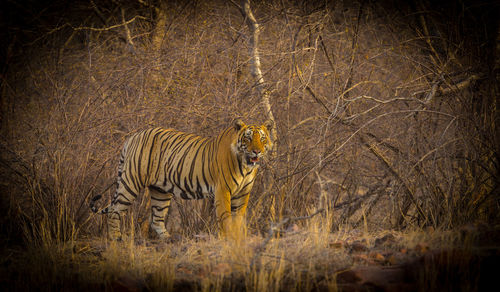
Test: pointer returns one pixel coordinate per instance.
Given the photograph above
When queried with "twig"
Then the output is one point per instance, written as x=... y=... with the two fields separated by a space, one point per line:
x=103 y=28
x=460 y=85
x=359 y=130
x=98 y=12
x=354 y=49
x=146 y=4
x=427 y=37
x=438 y=79
x=58 y=28
x=127 y=32
x=385 y=161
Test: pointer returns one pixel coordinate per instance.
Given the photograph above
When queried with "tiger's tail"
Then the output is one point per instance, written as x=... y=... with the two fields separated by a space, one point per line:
x=97 y=198
x=120 y=171
x=92 y=203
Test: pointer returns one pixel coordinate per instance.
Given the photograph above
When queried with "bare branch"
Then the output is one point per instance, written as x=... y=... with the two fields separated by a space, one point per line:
x=102 y=28
x=385 y=161
x=127 y=31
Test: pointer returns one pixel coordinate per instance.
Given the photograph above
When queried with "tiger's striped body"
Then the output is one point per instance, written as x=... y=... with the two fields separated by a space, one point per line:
x=169 y=163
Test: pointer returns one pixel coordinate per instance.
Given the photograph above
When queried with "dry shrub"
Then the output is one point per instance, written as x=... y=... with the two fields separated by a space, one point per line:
x=385 y=116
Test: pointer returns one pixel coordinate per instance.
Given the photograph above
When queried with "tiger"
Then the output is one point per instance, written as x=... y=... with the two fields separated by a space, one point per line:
x=167 y=163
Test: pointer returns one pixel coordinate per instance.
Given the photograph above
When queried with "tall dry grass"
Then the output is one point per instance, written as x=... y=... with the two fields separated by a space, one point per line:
x=303 y=260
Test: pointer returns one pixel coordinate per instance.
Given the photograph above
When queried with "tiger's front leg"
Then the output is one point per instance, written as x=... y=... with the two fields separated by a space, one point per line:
x=239 y=205
x=223 y=212
x=160 y=204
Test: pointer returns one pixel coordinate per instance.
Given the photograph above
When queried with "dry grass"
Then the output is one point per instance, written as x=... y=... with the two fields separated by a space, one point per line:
x=208 y=264
x=307 y=258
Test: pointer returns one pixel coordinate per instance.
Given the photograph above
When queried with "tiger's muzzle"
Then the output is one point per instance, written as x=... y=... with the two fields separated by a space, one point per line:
x=253 y=158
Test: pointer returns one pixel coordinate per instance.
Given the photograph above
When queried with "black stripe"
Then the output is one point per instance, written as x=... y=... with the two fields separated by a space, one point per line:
x=130 y=171
x=187 y=188
x=240 y=165
x=160 y=190
x=153 y=143
x=230 y=174
x=239 y=196
x=203 y=163
x=123 y=202
x=187 y=149
x=171 y=190
x=98 y=197
x=234 y=179
x=128 y=189
x=164 y=139
x=140 y=148
x=232 y=162
x=211 y=159
x=160 y=200
x=248 y=183
x=227 y=185
x=129 y=176
x=159 y=208
x=115 y=199
x=236 y=208
x=196 y=148
x=180 y=146
x=180 y=164
x=173 y=142
x=199 y=190
x=142 y=144
x=177 y=141
x=193 y=162
x=171 y=179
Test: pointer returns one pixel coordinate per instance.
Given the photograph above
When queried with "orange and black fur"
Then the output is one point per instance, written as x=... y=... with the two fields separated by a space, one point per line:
x=170 y=163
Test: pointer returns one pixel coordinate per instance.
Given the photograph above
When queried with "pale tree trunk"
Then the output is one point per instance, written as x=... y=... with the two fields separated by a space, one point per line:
x=161 y=26
x=157 y=40
x=255 y=63
x=253 y=26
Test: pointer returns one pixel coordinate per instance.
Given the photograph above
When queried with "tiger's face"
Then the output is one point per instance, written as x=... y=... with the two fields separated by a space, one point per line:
x=253 y=142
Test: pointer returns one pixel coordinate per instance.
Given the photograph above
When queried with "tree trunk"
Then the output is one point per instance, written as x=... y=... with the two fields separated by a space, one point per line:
x=255 y=63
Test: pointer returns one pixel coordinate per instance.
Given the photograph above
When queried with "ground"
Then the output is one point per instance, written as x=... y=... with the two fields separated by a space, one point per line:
x=299 y=259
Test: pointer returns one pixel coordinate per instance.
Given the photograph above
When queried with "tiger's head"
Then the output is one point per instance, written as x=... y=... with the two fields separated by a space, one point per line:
x=253 y=141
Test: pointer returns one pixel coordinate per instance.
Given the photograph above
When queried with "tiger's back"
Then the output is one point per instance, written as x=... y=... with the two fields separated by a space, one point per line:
x=168 y=160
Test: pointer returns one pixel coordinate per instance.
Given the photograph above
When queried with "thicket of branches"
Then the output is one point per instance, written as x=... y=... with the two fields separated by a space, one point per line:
x=386 y=113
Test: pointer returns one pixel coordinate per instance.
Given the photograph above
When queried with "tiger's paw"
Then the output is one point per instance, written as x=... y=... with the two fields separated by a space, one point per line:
x=163 y=235
x=173 y=238
x=115 y=236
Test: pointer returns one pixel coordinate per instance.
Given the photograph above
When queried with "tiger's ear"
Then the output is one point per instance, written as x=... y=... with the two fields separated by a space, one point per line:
x=238 y=124
x=269 y=124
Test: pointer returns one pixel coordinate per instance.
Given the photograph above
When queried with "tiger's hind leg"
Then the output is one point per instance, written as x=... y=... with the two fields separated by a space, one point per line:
x=121 y=202
x=160 y=204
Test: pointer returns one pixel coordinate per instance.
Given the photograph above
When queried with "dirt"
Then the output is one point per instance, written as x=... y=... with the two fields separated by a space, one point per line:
x=469 y=264
x=463 y=260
